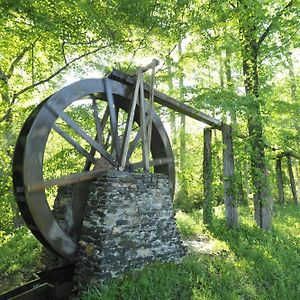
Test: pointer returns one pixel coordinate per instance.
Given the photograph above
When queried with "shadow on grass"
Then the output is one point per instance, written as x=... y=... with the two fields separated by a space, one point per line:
x=258 y=265
x=270 y=259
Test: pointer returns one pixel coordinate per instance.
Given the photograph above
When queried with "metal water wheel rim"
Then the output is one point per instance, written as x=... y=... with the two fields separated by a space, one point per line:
x=28 y=168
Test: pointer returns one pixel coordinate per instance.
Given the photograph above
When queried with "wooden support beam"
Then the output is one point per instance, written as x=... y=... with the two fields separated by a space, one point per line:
x=151 y=102
x=292 y=180
x=207 y=178
x=280 y=188
x=129 y=123
x=143 y=124
x=230 y=199
x=154 y=64
x=168 y=101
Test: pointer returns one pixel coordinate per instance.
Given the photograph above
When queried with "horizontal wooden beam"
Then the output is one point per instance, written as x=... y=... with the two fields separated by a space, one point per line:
x=65 y=180
x=168 y=101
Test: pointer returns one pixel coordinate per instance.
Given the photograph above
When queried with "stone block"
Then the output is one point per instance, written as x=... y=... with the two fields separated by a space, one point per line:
x=129 y=222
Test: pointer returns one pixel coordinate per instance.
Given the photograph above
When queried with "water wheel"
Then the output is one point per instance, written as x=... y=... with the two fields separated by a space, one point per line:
x=80 y=128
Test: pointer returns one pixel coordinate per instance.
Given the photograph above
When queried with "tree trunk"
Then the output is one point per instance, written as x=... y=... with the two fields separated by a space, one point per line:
x=182 y=149
x=246 y=176
x=293 y=85
x=292 y=180
x=207 y=178
x=172 y=112
x=242 y=197
x=281 y=197
x=263 y=203
x=229 y=179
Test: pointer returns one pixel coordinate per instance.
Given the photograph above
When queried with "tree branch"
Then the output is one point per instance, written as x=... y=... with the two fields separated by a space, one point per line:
x=140 y=46
x=17 y=60
x=3 y=75
x=17 y=94
x=276 y=17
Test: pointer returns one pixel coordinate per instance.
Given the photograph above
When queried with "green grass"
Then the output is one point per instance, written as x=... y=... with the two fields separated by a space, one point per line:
x=247 y=264
x=19 y=258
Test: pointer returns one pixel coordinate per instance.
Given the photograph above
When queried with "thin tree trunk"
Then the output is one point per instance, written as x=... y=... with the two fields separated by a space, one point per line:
x=182 y=149
x=293 y=85
x=242 y=197
x=172 y=112
x=292 y=180
x=297 y=174
x=246 y=176
x=280 y=181
x=229 y=179
x=207 y=177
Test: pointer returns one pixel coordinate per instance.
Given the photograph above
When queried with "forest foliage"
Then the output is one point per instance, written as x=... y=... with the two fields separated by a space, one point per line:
x=235 y=60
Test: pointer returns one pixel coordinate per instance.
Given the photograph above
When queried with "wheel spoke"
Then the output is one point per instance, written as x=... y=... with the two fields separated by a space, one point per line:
x=113 y=117
x=97 y=122
x=59 y=113
x=65 y=180
x=93 y=151
x=89 y=156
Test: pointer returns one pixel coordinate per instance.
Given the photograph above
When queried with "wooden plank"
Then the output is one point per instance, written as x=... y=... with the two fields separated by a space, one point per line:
x=81 y=150
x=145 y=144
x=113 y=118
x=154 y=63
x=168 y=101
x=280 y=181
x=151 y=103
x=65 y=180
x=59 y=113
x=230 y=199
x=129 y=123
x=207 y=177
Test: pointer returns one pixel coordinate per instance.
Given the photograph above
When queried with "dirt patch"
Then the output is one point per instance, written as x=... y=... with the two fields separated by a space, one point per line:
x=200 y=244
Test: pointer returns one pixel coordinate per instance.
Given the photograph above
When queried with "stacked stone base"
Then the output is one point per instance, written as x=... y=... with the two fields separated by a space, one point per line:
x=129 y=222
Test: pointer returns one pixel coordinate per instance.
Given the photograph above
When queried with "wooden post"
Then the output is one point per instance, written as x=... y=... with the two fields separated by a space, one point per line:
x=279 y=181
x=292 y=180
x=145 y=144
x=207 y=178
x=129 y=122
x=229 y=180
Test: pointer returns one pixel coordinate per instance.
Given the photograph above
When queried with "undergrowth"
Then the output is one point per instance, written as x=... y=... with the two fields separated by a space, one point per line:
x=248 y=264
x=19 y=257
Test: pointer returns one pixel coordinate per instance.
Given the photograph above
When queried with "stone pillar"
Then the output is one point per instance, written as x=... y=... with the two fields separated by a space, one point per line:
x=129 y=222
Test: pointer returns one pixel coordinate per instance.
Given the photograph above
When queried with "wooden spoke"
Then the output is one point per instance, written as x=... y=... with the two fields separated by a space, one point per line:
x=97 y=122
x=129 y=123
x=152 y=163
x=93 y=151
x=80 y=131
x=65 y=180
x=145 y=145
x=113 y=117
x=89 y=156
